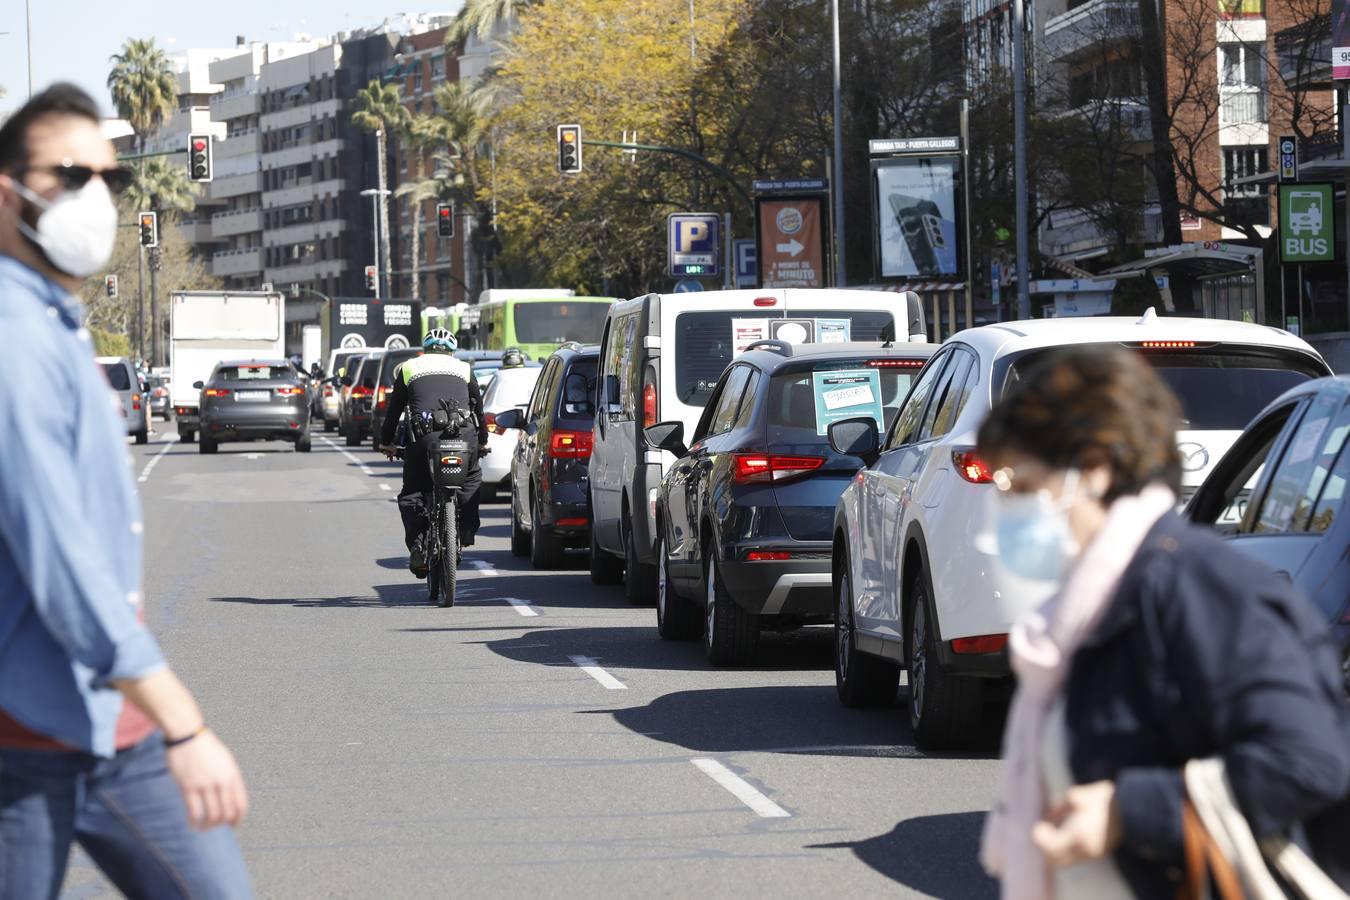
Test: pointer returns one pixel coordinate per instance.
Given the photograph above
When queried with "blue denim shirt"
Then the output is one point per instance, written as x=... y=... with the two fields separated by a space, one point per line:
x=70 y=525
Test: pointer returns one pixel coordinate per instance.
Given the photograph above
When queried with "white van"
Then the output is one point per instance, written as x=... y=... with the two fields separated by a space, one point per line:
x=660 y=358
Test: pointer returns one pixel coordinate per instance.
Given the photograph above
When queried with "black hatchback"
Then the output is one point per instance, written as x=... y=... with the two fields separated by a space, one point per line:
x=550 y=477
x=254 y=400
x=384 y=386
x=745 y=515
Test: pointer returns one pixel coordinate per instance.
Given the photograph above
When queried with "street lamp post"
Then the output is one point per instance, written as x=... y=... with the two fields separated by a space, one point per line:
x=837 y=175
x=377 y=195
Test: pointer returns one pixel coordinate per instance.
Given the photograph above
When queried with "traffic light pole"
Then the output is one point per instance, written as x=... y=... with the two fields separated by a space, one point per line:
x=687 y=154
x=140 y=303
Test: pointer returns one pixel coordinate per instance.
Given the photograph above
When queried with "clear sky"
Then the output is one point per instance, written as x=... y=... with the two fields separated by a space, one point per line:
x=72 y=39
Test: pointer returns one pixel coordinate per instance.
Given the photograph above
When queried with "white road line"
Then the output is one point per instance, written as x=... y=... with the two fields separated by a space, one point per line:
x=483 y=566
x=385 y=487
x=591 y=668
x=350 y=457
x=741 y=789
x=150 y=466
x=521 y=606
x=252 y=456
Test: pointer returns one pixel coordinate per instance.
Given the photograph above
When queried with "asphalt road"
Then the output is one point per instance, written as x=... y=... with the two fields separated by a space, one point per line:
x=537 y=740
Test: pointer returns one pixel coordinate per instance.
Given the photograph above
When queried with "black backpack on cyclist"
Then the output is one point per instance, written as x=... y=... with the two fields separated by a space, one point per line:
x=451 y=456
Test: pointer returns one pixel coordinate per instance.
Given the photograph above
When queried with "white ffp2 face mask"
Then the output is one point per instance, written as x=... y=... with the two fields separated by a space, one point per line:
x=76 y=231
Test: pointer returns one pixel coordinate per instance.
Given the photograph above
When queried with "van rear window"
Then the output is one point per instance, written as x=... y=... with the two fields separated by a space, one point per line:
x=117 y=376
x=705 y=342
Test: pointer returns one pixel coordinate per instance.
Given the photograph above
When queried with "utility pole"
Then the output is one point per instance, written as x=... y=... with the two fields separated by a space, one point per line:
x=1019 y=36
x=140 y=303
x=837 y=176
x=155 y=358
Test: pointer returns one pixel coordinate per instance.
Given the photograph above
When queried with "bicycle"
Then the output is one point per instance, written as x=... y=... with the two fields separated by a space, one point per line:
x=450 y=458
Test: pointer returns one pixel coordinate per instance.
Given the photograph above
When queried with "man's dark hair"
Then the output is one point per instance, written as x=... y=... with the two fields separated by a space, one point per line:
x=61 y=99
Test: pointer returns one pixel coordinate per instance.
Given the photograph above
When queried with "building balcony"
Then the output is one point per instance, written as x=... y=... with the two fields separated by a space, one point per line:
x=305 y=271
x=1130 y=112
x=237 y=221
x=1087 y=28
x=237 y=262
x=196 y=230
x=231 y=106
x=236 y=185
x=301 y=114
x=1304 y=55
x=301 y=153
x=241 y=143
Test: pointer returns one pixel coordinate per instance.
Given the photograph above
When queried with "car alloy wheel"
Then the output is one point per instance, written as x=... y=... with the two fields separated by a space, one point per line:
x=918 y=661
x=843 y=630
x=710 y=611
x=661 y=584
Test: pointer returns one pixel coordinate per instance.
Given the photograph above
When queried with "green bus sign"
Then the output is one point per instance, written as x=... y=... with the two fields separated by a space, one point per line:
x=1307 y=223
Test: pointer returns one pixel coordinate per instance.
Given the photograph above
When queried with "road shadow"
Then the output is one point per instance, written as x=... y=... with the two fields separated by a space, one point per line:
x=552 y=589
x=409 y=594
x=934 y=855
x=641 y=648
x=393 y=562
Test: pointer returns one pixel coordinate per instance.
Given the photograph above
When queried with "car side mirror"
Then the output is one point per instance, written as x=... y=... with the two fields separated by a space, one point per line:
x=856 y=437
x=511 y=418
x=668 y=436
x=198 y=385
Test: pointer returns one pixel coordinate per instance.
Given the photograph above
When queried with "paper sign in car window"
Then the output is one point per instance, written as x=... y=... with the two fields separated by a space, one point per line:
x=833 y=331
x=745 y=332
x=847 y=394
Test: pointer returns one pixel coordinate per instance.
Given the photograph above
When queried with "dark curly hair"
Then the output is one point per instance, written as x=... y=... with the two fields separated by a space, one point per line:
x=1089 y=406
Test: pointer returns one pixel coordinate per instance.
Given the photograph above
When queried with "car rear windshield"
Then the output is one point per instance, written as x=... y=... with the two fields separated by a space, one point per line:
x=576 y=394
x=1221 y=388
x=117 y=376
x=706 y=342
x=510 y=387
x=255 y=373
x=804 y=400
x=391 y=364
x=556 y=321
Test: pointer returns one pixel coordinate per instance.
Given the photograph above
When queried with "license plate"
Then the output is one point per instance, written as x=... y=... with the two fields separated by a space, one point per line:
x=253 y=396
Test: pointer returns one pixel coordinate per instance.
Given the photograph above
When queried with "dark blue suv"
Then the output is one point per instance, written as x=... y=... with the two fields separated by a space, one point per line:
x=745 y=515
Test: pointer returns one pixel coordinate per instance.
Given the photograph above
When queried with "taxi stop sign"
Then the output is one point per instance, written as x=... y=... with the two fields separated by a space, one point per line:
x=1307 y=223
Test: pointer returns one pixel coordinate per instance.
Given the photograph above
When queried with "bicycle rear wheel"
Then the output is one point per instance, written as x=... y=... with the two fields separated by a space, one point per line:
x=448 y=552
x=431 y=543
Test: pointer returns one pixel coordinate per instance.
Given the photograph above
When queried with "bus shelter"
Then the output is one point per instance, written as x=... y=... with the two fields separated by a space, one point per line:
x=1230 y=277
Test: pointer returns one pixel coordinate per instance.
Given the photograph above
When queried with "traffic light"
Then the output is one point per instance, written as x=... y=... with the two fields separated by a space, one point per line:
x=199 y=157
x=569 y=149
x=445 y=220
x=372 y=276
x=149 y=229
x=110 y=285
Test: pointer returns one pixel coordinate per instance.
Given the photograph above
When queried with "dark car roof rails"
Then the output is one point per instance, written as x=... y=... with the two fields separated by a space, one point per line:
x=783 y=348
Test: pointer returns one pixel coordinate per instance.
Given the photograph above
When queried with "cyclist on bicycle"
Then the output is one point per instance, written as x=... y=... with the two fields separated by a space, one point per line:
x=420 y=386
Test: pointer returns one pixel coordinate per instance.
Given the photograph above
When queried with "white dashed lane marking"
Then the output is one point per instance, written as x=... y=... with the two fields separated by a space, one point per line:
x=150 y=466
x=591 y=668
x=741 y=789
x=521 y=606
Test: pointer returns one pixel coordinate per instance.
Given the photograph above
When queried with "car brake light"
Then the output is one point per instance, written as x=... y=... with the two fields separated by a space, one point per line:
x=136 y=402
x=648 y=405
x=766 y=301
x=572 y=523
x=381 y=400
x=1166 y=345
x=290 y=391
x=571 y=445
x=328 y=390
x=490 y=419
x=896 y=363
x=759 y=467
x=767 y=556
x=971 y=467
x=217 y=392
x=360 y=391
x=985 y=643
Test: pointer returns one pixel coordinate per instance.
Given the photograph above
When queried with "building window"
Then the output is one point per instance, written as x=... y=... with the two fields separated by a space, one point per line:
x=417 y=78
x=437 y=69
x=1245 y=204
x=1242 y=66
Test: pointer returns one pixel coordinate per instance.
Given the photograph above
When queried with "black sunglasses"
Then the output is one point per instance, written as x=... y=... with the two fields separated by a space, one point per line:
x=73 y=177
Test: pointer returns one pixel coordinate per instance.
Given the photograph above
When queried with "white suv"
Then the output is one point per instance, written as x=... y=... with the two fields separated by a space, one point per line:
x=910 y=588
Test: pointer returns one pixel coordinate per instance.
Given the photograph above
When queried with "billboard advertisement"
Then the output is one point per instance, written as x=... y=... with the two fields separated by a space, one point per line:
x=366 y=322
x=916 y=206
x=791 y=236
x=1340 y=39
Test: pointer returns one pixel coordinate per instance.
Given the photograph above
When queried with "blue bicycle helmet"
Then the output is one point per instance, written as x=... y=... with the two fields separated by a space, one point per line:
x=438 y=340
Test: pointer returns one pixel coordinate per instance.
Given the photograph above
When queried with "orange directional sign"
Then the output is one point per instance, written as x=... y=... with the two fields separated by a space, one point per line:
x=791 y=242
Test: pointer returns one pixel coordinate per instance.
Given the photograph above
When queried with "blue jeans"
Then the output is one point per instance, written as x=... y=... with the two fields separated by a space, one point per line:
x=128 y=815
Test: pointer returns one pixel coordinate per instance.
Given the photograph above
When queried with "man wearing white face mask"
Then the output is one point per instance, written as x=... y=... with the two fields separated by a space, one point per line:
x=100 y=742
x=1155 y=644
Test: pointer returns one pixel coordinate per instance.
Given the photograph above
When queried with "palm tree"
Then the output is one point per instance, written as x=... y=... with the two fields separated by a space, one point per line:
x=379 y=109
x=143 y=86
x=480 y=18
x=161 y=185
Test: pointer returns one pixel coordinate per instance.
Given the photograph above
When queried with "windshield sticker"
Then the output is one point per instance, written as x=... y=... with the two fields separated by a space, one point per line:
x=833 y=331
x=745 y=332
x=847 y=394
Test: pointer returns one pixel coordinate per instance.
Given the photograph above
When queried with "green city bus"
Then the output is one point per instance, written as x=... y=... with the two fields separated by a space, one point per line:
x=538 y=324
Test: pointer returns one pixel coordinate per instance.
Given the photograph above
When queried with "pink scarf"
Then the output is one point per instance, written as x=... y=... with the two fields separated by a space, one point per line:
x=1041 y=647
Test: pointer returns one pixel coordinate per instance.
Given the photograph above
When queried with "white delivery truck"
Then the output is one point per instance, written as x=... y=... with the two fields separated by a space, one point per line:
x=206 y=327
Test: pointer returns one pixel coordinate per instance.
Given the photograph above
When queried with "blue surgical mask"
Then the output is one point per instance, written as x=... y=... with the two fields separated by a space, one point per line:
x=1034 y=538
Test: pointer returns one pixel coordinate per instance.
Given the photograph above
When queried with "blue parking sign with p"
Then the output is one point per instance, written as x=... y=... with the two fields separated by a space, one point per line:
x=694 y=243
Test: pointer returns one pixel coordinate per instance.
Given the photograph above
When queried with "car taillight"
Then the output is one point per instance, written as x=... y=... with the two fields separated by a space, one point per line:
x=571 y=445
x=136 y=402
x=766 y=301
x=290 y=391
x=985 y=643
x=648 y=405
x=490 y=419
x=574 y=522
x=971 y=467
x=328 y=390
x=896 y=363
x=760 y=467
x=360 y=391
x=217 y=392
x=382 y=398
x=767 y=556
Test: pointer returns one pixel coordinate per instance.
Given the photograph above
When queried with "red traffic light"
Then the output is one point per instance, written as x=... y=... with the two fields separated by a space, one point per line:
x=199 y=145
